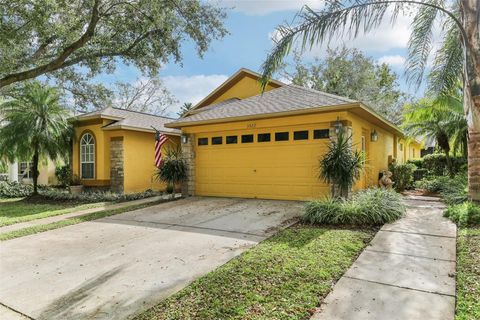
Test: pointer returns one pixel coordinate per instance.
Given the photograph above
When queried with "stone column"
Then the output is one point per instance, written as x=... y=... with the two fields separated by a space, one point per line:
x=116 y=164
x=188 y=154
x=13 y=172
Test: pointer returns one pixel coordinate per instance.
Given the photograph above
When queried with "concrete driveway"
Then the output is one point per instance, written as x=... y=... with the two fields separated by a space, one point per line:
x=112 y=268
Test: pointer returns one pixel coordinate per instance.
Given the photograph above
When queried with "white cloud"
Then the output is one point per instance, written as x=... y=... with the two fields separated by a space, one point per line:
x=191 y=88
x=394 y=60
x=264 y=7
x=381 y=39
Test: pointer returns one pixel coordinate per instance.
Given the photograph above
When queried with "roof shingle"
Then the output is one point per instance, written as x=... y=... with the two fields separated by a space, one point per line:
x=131 y=119
x=286 y=98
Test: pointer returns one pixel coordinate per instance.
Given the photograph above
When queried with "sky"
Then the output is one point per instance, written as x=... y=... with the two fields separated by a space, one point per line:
x=251 y=24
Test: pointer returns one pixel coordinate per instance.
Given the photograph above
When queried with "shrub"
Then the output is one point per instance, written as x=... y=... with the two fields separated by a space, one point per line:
x=14 y=190
x=173 y=169
x=436 y=164
x=464 y=214
x=64 y=175
x=452 y=190
x=417 y=162
x=341 y=166
x=373 y=206
x=97 y=196
x=403 y=176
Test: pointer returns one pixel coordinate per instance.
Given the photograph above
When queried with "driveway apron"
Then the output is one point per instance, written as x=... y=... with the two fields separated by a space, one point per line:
x=115 y=267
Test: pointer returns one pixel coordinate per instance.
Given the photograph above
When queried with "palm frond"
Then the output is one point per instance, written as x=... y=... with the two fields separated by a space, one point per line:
x=420 y=42
x=447 y=68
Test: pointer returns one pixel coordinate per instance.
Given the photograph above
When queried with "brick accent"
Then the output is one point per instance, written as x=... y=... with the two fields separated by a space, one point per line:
x=188 y=153
x=116 y=165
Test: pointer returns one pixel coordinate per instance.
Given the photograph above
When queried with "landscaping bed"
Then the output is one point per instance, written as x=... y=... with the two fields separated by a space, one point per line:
x=283 y=277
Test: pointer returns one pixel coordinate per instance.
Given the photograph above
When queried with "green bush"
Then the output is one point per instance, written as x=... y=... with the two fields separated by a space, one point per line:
x=14 y=190
x=452 y=190
x=64 y=175
x=96 y=196
x=417 y=162
x=403 y=176
x=373 y=206
x=464 y=214
x=436 y=164
x=173 y=169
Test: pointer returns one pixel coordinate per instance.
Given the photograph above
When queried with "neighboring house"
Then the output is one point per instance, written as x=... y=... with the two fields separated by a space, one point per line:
x=241 y=143
x=20 y=171
x=114 y=148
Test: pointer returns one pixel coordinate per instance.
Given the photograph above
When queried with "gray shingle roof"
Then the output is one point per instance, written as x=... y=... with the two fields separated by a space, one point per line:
x=286 y=98
x=131 y=119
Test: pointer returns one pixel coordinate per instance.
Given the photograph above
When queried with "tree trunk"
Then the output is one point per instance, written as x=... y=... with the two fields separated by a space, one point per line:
x=470 y=18
x=35 y=172
x=449 y=163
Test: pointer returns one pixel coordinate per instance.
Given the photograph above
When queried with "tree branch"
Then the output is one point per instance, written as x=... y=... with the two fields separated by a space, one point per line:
x=58 y=62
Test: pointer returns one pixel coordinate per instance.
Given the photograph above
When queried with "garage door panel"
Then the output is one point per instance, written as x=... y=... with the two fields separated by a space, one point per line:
x=270 y=170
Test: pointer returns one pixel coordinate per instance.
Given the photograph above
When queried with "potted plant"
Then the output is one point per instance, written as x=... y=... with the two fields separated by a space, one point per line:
x=173 y=170
x=75 y=186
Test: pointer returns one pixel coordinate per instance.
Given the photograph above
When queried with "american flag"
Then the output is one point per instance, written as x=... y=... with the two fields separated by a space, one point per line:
x=160 y=139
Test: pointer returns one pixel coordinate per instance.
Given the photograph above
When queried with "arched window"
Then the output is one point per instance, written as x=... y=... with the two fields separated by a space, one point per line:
x=87 y=156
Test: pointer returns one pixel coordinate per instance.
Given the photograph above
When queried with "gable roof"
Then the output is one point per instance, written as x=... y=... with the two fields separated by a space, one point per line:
x=286 y=100
x=227 y=84
x=129 y=120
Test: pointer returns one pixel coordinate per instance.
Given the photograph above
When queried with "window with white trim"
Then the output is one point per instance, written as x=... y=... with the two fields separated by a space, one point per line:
x=25 y=169
x=87 y=157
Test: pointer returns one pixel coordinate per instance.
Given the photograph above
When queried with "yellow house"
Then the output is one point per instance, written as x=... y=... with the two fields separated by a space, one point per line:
x=239 y=142
x=114 y=148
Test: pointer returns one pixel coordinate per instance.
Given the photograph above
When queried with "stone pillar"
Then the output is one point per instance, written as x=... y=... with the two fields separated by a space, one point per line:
x=188 y=154
x=116 y=164
x=13 y=172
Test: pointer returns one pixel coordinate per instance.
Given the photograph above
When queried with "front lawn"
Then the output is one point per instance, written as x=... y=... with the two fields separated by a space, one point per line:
x=468 y=274
x=283 y=277
x=21 y=210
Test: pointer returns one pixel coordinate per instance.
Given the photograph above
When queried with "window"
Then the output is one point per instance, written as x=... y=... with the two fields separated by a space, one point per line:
x=263 y=137
x=247 y=138
x=300 y=135
x=87 y=157
x=232 y=139
x=202 y=141
x=321 y=134
x=217 y=140
x=281 y=136
x=25 y=169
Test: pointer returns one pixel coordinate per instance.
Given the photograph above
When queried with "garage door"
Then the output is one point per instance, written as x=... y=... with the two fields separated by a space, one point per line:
x=280 y=163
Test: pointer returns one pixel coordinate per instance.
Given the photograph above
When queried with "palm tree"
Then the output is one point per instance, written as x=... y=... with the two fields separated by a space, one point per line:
x=441 y=119
x=173 y=169
x=36 y=127
x=458 y=57
x=186 y=107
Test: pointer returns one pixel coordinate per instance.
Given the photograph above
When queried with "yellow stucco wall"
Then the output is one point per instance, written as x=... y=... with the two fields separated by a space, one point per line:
x=244 y=88
x=139 y=163
x=138 y=156
x=377 y=152
x=279 y=170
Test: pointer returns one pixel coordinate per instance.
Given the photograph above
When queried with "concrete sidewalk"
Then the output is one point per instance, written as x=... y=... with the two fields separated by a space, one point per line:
x=83 y=212
x=407 y=272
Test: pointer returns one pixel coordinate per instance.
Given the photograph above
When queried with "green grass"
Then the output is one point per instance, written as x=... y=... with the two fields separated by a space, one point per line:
x=283 y=277
x=468 y=274
x=21 y=210
x=71 y=221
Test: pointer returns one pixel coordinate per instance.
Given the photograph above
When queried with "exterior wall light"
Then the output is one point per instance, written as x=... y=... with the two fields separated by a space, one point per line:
x=374 y=135
x=338 y=126
x=184 y=138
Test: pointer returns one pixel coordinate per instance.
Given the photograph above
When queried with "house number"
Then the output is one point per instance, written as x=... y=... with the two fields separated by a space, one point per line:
x=251 y=125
